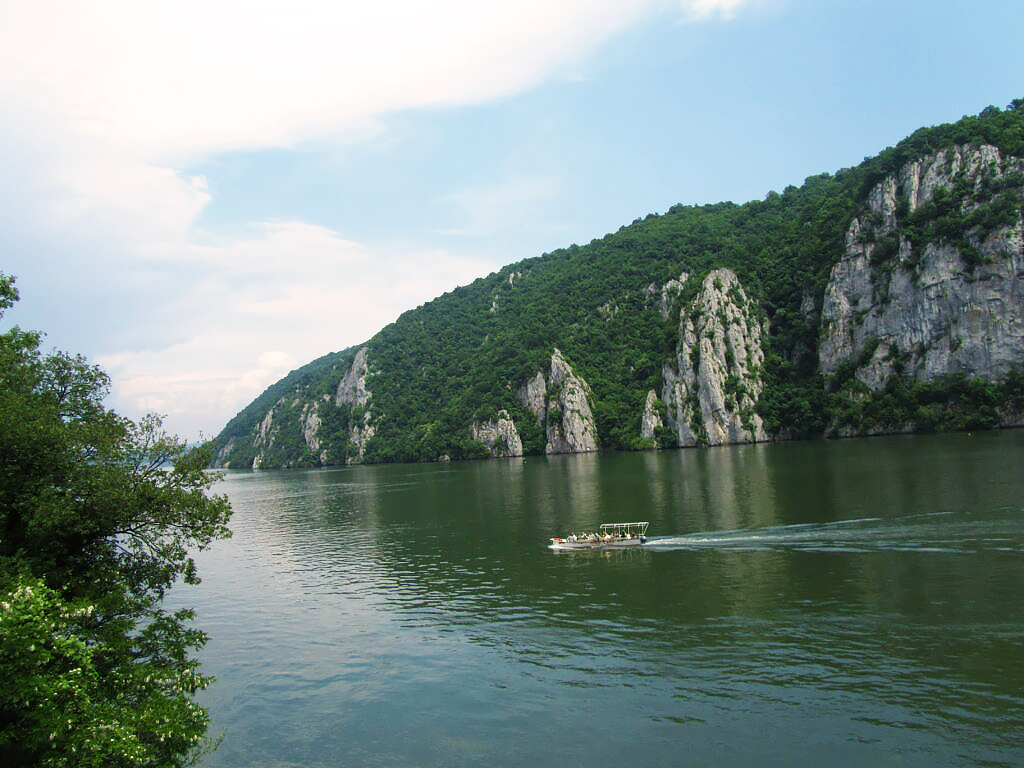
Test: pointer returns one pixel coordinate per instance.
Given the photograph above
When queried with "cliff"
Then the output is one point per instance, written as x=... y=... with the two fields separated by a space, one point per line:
x=352 y=391
x=929 y=283
x=499 y=435
x=885 y=297
x=928 y=294
x=712 y=387
x=561 y=404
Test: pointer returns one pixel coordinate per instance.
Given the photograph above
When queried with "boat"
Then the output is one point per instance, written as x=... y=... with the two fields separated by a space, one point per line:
x=609 y=536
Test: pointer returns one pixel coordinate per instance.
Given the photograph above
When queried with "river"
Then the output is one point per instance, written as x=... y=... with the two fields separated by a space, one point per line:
x=855 y=602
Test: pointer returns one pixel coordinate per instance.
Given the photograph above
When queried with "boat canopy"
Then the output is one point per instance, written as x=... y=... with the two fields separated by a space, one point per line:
x=636 y=529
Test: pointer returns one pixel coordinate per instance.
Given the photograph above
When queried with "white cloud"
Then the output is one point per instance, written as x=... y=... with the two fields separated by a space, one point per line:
x=174 y=79
x=193 y=398
x=705 y=9
x=297 y=287
x=101 y=102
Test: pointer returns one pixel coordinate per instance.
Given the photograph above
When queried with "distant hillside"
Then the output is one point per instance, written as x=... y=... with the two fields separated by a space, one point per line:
x=886 y=297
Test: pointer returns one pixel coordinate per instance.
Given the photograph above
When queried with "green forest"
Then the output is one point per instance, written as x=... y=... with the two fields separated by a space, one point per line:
x=460 y=357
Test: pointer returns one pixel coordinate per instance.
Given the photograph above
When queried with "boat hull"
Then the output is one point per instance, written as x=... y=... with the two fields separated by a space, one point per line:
x=609 y=536
x=563 y=544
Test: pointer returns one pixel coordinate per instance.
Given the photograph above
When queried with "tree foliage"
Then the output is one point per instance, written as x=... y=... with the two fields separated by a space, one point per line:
x=98 y=516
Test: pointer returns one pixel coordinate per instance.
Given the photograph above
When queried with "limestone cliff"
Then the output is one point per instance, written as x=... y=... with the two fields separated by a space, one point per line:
x=268 y=433
x=311 y=422
x=930 y=280
x=264 y=438
x=300 y=428
x=533 y=396
x=651 y=421
x=712 y=385
x=668 y=293
x=499 y=435
x=570 y=420
x=352 y=387
x=223 y=456
x=352 y=391
x=562 y=404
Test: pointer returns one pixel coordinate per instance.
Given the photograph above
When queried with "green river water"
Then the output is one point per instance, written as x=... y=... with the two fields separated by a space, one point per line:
x=841 y=603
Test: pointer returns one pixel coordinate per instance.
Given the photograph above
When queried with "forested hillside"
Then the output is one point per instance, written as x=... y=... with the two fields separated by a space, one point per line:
x=628 y=316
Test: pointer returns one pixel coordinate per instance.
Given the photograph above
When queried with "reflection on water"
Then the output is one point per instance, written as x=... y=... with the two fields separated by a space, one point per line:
x=857 y=600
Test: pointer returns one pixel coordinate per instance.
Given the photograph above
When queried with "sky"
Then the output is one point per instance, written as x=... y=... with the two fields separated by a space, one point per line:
x=202 y=196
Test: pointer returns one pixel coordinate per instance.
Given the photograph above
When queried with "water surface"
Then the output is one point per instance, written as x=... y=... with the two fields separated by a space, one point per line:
x=856 y=602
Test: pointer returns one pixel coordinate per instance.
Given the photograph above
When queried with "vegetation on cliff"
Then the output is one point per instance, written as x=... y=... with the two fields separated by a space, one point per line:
x=462 y=357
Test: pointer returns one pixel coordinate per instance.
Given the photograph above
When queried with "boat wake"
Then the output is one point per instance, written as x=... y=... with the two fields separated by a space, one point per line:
x=999 y=530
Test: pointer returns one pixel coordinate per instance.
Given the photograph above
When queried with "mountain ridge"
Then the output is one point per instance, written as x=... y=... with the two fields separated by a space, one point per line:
x=699 y=326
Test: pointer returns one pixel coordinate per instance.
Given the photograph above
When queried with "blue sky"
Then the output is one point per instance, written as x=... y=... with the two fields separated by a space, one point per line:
x=201 y=196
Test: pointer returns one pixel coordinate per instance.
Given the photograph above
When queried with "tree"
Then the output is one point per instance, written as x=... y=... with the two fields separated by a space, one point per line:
x=98 y=516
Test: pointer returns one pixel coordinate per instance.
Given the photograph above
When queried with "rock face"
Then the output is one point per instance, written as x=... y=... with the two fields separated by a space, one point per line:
x=352 y=387
x=221 y=459
x=307 y=415
x=919 y=305
x=533 y=396
x=264 y=438
x=669 y=292
x=352 y=391
x=575 y=431
x=650 y=422
x=712 y=386
x=561 y=403
x=499 y=435
x=311 y=428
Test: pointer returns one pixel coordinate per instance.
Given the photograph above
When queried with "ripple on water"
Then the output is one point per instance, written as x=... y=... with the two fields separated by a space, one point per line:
x=375 y=624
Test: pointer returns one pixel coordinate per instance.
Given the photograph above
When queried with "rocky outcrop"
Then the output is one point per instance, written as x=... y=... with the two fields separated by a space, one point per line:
x=669 y=292
x=263 y=432
x=571 y=427
x=359 y=435
x=291 y=432
x=533 y=396
x=499 y=435
x=352 y=387
x=310 y=422
x=917 y=297
x=222 y=457
x=264 y=437
x=650 y=422
x=664 y=296
x=562 y=404
x=352 y=391
x=712 y=386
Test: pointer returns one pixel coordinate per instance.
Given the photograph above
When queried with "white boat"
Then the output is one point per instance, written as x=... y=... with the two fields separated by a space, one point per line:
x=610 y=536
